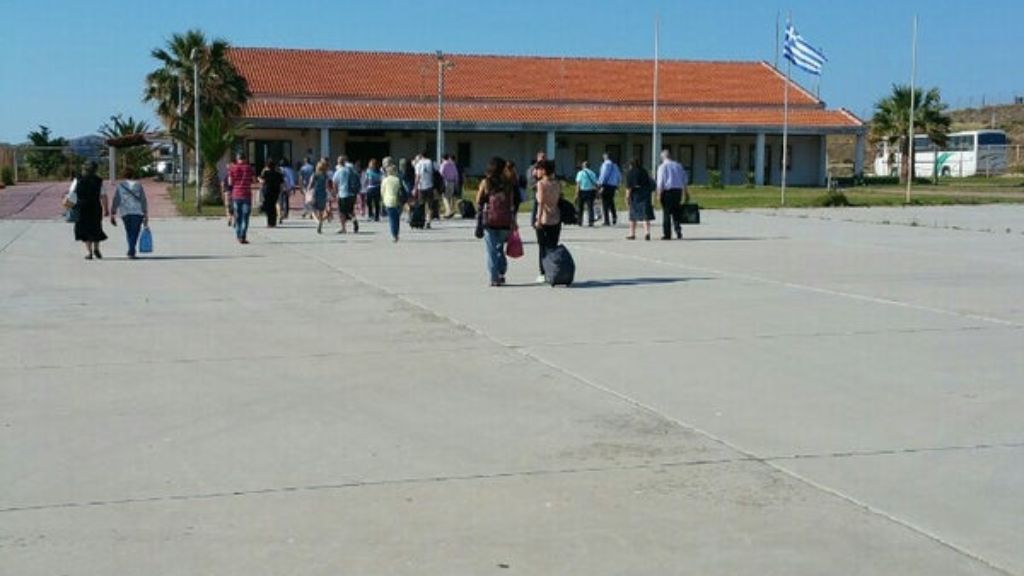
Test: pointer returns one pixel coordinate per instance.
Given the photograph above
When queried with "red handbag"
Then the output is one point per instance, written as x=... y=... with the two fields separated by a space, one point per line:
x=514 y=246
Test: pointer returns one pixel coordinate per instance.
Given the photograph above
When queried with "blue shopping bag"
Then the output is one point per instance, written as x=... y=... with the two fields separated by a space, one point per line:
x=146 y=241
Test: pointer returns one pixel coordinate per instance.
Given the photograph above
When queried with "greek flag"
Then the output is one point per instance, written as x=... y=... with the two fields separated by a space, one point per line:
x=799 y=52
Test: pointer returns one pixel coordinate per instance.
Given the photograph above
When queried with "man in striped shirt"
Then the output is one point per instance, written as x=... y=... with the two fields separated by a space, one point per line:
x=240 y=177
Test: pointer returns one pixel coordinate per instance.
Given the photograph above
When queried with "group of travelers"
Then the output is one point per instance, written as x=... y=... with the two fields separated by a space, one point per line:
x=87 y=205
x=429 y=191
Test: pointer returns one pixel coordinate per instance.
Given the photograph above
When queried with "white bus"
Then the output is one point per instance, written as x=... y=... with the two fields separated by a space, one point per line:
x=975 y=152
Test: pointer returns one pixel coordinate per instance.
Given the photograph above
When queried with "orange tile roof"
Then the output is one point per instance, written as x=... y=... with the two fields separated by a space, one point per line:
x=376 y=86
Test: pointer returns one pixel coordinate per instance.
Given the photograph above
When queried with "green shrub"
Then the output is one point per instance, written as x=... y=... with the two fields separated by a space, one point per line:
x=881 y=180
x=7 y=176
x=715 y=180
x=751 y=181
x=834 y=198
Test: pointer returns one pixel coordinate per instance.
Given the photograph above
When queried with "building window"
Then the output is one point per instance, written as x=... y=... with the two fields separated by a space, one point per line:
x=582 y=154
x=463 y=156
x=789 y=158
x=638 y=153
x=752 y=158
x=734 y=157
x=712 y=159
x=614 y=151
x=259 y=151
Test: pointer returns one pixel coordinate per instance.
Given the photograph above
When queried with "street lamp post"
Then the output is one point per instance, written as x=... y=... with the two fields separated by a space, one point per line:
x=442 y=65
x=195 y=88
x=180 y=145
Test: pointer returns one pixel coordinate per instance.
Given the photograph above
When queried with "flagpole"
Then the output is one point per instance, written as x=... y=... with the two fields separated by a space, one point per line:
x=777 y=16
x=654 y=98
x=785 y=129
x=910 y=132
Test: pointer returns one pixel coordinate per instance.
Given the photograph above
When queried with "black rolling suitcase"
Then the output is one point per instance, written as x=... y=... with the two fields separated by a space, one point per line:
x=418 y=215
x=559 y=267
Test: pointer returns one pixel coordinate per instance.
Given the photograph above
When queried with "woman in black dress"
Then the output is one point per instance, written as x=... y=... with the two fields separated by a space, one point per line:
x=92 y=209
x=638 y=197
x=272 y=179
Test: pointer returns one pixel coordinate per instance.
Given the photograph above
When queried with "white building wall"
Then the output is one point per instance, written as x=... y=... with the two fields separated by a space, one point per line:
x=521 y=147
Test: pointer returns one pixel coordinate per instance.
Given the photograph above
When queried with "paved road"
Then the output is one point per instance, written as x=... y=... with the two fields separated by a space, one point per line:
x=775 y=395
x=41 y=200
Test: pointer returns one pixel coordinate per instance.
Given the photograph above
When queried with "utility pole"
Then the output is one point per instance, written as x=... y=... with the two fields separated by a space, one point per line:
x=442 y=66
x=909 y=160
x=195 y=88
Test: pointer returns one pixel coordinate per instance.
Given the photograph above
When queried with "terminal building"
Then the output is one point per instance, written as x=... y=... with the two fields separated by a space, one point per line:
x=712 y=116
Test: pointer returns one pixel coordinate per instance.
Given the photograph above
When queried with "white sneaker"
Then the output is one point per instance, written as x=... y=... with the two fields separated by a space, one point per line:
x=541 y=279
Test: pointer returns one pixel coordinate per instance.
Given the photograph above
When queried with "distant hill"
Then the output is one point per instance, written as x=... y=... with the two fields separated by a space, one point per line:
x=1009 y=117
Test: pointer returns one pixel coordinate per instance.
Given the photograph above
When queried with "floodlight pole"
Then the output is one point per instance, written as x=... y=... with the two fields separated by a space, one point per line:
x=195 y=88
x=910 y=132
x=180 y=146
x=442 y=65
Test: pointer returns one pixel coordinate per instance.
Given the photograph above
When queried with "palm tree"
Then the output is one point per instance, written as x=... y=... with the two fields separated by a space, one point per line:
x=129 y=135
x=217 y=135
x=891 y=121
x=223 y=91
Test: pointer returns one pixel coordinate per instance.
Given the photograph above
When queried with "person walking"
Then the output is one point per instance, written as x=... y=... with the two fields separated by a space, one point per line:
x=271 y=183
x=391 y=195
x=609 y=179
x=92 y=209
x=317 y=190
x=286 y=193
x=586 y=192
x=425 y=184
x=548 y=221
x=638 y=197
x=372 y=180
x=130 y=200
x=346 y=185
x=494 y=198
x=450 y=175
x=671 y=187
x=305 y=175
x=240 y=177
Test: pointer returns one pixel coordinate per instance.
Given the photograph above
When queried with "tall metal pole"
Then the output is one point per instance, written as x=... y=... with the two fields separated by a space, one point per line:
x=785 y=129
x=909 y=160
x=440 y=105
x=654 y=98
x=180 y=145
x=195 y=88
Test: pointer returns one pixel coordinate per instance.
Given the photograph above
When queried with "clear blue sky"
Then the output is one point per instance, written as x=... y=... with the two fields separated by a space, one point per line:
x=71 y=64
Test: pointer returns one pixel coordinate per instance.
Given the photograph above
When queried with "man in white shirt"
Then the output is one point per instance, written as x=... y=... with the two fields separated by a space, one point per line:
x=671 y=184
x=425 y=185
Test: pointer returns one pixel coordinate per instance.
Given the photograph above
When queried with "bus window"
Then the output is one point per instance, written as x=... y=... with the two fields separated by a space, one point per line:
x=991 y=139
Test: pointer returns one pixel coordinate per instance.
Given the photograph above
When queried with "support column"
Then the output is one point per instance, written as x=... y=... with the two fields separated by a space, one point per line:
x=725 y=160
x=858 y=156
x=822 y=159
x=549 y=144
x=325 y=143
x=759 y=160
x=627 y=152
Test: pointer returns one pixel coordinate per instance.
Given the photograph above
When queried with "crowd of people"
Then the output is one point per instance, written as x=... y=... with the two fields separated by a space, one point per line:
x=429 y=191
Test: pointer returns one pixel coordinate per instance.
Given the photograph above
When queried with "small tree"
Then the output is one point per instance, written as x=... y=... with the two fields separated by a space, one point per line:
x=217 y=135
x=51 y=156
x=891 y=121
x=136 y=155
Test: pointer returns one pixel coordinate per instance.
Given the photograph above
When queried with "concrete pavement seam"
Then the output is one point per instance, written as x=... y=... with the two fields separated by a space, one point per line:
x=16 y=238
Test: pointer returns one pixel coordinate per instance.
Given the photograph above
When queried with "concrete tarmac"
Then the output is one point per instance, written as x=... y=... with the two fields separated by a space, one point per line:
x=783 y=392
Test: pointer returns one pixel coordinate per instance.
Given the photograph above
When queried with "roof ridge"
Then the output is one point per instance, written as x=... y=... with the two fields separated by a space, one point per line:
x=661 y=60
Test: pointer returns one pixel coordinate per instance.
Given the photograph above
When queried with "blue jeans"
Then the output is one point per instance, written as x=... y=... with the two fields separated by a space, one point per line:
x=494 y=243
x=394 y=220
x=132 y=227
x=242 y=210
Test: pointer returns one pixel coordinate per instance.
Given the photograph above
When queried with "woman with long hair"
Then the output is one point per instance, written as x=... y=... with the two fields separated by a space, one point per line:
x=548 y=221
x=496 y=202
x=318 y=184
